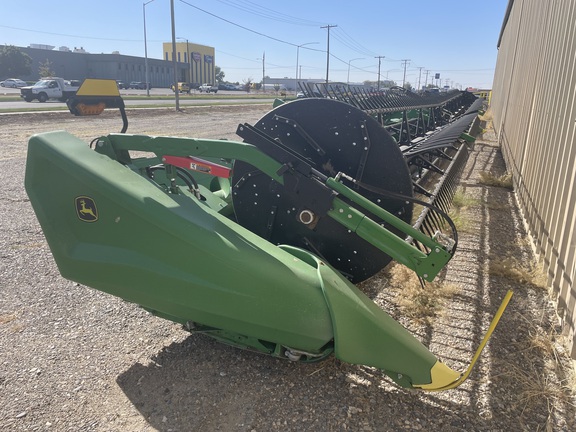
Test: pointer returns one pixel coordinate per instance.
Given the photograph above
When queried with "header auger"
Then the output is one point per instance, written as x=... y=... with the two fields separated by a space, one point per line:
x=255 y=243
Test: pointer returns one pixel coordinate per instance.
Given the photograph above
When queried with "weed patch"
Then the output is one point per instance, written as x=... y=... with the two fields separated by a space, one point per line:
x=503 y=181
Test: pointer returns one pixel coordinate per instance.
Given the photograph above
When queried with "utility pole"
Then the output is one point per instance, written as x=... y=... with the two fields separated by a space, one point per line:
x=328 y=50
x=174 y=63
x=379 y=63
x=146 y=49
x=405 y=62
x=263 y=71
x=426 y=82
x=419 y=76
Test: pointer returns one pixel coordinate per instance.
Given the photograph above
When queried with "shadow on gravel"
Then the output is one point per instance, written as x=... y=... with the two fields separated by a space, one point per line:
x=527 y=377
x=201 y=385
x=181 y=389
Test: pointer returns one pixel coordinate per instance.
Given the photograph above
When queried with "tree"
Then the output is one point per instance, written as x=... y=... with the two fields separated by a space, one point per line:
x=247 y=84
x=45 y=69
x=13 y=62
x=219 y=74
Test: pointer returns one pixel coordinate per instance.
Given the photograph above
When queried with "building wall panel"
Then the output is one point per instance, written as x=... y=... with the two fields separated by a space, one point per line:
x=534 y=108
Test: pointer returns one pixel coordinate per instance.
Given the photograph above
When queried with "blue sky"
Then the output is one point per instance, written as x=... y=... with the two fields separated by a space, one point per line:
x=456 y=38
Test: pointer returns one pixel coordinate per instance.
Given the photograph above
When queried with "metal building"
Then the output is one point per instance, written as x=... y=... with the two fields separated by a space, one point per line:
x=534 y=108
x=200 y=60
x=78 y=65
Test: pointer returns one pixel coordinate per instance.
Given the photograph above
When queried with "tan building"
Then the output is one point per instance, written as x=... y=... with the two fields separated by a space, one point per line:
x=533 y=103
x=200 y=59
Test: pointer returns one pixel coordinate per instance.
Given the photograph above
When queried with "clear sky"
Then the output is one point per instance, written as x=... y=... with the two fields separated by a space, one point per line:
x=456 y=38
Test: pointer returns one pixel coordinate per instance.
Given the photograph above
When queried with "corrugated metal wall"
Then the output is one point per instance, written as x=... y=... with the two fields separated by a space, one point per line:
x=533 y=103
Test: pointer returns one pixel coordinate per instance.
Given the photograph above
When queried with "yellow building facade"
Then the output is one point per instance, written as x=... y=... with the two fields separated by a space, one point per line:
x=200 y=59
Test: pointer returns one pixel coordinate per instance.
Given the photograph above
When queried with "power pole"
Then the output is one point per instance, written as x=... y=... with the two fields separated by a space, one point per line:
x=379 y=62
x=405 y=62
x=328 y=50
x=426 y=82
x=176 y=92
x=419 y=76
x=263 y=71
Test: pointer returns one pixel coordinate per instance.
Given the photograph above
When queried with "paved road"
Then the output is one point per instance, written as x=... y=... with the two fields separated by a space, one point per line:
x=199 y=99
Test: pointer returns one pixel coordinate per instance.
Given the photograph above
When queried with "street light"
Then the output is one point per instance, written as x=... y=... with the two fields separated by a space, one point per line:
x=146 y=48
x=189 y=59
x=350 y=61
x=297 y=55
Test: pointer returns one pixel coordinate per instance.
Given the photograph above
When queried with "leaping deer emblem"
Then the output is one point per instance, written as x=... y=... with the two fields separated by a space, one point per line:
x=86 y=209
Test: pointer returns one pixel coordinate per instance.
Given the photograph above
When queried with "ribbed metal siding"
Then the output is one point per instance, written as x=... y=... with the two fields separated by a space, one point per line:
x=534 y=108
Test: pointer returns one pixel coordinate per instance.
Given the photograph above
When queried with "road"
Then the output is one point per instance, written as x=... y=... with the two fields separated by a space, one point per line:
x=195 y=98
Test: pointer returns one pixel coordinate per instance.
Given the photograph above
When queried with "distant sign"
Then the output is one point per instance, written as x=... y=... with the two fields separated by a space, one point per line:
x=207 y=58
x=437 y=76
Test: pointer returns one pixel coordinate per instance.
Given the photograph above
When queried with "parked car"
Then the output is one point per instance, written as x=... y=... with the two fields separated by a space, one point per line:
x=208 y=88
x=182 y=87
x=121 y=85
x=139 y=85
x=13 y=83
x=48 y=88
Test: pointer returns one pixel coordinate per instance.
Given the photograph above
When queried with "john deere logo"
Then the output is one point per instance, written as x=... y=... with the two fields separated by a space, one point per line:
x=86 y=209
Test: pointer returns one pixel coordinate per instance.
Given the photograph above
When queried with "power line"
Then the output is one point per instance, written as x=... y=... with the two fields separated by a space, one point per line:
x=264 y=12
x=238 y=25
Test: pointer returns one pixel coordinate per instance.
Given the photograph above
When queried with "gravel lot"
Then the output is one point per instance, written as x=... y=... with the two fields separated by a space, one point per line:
x=75 y=359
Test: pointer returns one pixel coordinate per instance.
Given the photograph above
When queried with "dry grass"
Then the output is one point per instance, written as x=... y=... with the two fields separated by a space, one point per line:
x=545 y=375
x=516 y=271
x=6 y=318
x=460 y=202
x=503 y=181
x=487 y=116
x=488 y=121
x=422 y=304
x=537 y=387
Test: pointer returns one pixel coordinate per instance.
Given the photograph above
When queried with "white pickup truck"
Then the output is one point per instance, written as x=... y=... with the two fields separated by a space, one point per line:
x=208 y=88
x=49 y=88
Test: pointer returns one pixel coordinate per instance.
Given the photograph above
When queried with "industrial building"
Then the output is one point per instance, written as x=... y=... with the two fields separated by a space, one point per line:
x=200 y=60
x=77 y=64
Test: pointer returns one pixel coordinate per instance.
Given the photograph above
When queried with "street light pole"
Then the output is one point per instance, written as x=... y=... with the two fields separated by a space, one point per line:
x=350 y=61
x=297 y=56
x=146 y=48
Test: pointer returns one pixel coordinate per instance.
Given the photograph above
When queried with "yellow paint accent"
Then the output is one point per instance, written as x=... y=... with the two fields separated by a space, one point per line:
x=98 y=87
x=443 y=375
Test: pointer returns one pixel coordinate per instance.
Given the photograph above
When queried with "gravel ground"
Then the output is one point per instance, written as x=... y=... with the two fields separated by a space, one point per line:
x=75 y=359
